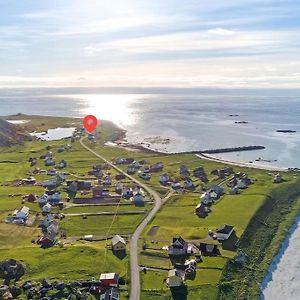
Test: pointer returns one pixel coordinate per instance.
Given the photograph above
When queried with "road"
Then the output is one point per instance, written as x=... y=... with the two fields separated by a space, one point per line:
x=134 y=265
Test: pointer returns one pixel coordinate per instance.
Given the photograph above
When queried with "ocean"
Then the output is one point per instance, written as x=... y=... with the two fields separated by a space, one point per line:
x=175 y=120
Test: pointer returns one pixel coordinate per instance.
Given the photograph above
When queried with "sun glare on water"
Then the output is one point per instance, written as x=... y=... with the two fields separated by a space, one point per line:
x=114 y=107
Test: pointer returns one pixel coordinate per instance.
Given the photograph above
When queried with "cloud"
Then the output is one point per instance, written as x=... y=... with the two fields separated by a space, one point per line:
x=221 y=31
x=210 y=41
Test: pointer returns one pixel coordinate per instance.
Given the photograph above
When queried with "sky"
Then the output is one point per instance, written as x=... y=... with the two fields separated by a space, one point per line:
x=150 y=43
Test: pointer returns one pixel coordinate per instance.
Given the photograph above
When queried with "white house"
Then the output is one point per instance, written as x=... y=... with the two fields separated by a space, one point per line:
x=21 y=213
x=118 y=243
x=47 y=208
x=174 y=279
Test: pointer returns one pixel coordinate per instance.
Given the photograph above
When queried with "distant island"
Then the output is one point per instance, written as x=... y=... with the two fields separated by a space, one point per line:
x=286 y=131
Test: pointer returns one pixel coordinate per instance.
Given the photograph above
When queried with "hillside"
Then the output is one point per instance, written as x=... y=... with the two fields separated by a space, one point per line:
x=11 y=134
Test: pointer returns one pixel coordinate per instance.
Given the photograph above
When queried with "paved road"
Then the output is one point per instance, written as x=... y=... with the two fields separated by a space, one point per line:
x=134 y=265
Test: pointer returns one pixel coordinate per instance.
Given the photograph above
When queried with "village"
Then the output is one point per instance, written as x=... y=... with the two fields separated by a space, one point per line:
x=101 y=191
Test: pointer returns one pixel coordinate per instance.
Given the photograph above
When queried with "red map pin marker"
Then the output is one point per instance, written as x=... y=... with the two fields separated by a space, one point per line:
x=90 y=123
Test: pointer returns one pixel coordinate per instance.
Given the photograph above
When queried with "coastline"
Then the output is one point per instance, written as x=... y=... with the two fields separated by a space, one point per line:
x=286 y=245
x=121 y=141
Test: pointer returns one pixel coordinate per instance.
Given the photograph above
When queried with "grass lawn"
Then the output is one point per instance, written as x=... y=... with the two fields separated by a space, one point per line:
x=99 y=225
x=69 y=263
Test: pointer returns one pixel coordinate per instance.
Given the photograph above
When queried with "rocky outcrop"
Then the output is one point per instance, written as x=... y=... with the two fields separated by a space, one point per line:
x=11 y=270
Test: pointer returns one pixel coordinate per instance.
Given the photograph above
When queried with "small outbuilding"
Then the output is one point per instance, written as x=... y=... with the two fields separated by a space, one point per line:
x=118 y=243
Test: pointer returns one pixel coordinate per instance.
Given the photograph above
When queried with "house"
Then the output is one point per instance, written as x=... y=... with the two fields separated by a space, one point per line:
x=97 y=192
x=120 y=177
x=174 y=278
x=73 y=187
x=62 y=164
x=224 y=232
x=184 y=172
x=175 y=185
x=119 y=161
x=232 y=182
x=50 y=184
x=190 y=269
x=127 y=193
x=52 y=229
x=200 y=173
x=61 y=149
x=107 y=180
x=208 y=248
x=111 y=294
x=55 y=198
x=43 y=199
x=21 y=214
x=164 y=179
x=46 y=241
x=188 y=184
x=218 y=190
x=28 y=181
x=178 y=248
x=31 y=198
x=145 y=176
x=146 y=169
x=206 y=198
x=47 y=208
x=201 y=210
x=228 y=170
x=119 y=188
x=49 y=161
x=131 y=170
x=157 y=167
x=118 y=243
x=138 y=197
x=47 y=221
x=84 y=185
x=51 y=172
x=277 y=178
x=241 y=184
x=234 y=191
x=60 y=178
x=109 y=279
x=136 y=164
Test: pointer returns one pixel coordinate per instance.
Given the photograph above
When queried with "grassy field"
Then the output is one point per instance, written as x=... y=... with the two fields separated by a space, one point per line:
x=177 y=218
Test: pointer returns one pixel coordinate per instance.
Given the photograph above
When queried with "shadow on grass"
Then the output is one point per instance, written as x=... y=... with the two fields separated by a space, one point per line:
x=179 y=293
x=230 y=244
x=120 y=254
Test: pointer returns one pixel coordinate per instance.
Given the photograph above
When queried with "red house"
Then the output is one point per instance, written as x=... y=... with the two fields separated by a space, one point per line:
x=109 y=279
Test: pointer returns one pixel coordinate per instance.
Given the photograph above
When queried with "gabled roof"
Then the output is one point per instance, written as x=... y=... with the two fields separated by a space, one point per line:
x=116 y=239
x=178 y=241
x=109 y=276
x=225 y=229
